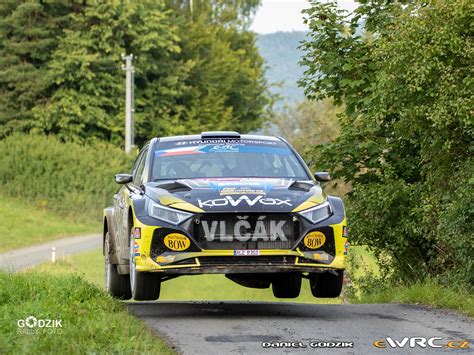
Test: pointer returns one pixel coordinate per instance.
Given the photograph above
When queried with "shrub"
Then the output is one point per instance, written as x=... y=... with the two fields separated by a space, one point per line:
x=74 y=180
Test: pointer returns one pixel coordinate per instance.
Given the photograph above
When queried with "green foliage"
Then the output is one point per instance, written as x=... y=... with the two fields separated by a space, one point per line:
x=29 y=33
x=309 y=123
x=193 y=71
x=86 y=71
x=68 y=178
x=91 y=321
x=404 y=74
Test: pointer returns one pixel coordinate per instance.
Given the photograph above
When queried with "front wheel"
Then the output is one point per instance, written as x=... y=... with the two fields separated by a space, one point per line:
x=326 y=285
x=117 y=285
x=145 y=286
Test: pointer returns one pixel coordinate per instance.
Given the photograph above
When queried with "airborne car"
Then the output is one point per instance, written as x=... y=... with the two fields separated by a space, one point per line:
x=223 y=203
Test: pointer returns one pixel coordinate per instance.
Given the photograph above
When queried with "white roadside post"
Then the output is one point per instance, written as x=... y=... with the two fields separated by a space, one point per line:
x=53 y=254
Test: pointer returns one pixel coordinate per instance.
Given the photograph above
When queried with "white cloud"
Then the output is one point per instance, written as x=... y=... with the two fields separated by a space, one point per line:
x=285 y=15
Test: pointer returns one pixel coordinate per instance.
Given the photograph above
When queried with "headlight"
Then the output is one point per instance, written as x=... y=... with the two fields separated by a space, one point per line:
x=318 y=213
x=167 y=214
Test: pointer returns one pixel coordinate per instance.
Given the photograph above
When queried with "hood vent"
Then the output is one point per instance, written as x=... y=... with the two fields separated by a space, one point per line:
x=301 y=186
x=174 y=186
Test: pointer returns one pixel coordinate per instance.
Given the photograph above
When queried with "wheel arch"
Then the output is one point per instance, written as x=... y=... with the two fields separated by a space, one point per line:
x=108 y=226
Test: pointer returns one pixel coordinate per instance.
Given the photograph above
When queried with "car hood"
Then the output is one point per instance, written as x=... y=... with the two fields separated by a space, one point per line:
x=237 y=194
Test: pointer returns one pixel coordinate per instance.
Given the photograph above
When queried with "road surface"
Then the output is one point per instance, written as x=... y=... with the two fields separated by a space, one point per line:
x=18 y=259
x=242 y=327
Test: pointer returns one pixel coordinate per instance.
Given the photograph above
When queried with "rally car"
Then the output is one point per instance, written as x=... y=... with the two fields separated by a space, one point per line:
x=246 y=206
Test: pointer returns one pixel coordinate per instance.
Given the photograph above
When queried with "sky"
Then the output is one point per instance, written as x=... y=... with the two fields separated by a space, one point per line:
x=285 y=15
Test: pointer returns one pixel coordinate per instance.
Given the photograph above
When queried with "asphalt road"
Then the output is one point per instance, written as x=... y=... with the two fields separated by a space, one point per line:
x=242 y=327
x=18 y=259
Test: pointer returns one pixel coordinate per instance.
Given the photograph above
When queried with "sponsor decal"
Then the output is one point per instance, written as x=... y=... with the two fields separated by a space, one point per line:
x=226 y=141
x=229 y=200
x=162 y=259
x=137 y=233
x=344 y=231
x=321 y=255
x=248 y=252
x=177 y=242
x=346 y=247
x=241 y=191
x=243 y=230
x=222 y=148
x=32 y=326
x=421 y=342
x=314 y=240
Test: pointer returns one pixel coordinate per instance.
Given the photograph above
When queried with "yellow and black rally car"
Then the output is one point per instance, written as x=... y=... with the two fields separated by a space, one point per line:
x=223 y=203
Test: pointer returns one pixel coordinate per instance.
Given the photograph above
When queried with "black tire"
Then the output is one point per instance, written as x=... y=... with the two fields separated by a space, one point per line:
x=326 y=285
x=117 y=286
x=145 y=286
x=286 y=285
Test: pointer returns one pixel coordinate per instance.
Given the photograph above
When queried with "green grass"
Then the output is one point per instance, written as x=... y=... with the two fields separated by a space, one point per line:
x=23 y=224
x=92 y=322
x=428 y=292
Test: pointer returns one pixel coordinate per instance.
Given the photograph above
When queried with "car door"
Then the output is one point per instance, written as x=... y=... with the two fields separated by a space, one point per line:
x=122 y=201
x=134 y=192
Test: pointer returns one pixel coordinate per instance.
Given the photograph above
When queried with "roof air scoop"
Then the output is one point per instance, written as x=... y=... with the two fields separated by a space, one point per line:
x=220 y=134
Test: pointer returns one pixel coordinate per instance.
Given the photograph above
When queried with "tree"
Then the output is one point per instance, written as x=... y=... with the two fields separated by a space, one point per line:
x=29 y=33
x=87 y=100
x=192 y=74
x=404 y=74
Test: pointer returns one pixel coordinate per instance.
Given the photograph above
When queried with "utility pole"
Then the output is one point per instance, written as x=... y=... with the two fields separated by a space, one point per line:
x=129 y=102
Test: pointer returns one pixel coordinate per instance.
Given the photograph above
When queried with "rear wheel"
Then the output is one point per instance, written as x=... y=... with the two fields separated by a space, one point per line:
x=287 y=286
x=145 y=286
x=326 y=285
x=117 y=286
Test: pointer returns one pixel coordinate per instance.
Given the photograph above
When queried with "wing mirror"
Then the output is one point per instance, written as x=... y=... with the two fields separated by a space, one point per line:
x=123 y=178
x=322 y=176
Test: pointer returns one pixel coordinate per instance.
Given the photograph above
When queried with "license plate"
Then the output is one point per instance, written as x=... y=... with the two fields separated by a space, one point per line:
x=246 y=252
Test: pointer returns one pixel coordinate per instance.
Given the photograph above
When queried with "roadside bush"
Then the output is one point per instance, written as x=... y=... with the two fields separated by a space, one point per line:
x=74 y=180
x=404 y=74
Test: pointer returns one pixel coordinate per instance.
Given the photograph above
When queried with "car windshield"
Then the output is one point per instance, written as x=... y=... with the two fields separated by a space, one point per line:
x=188 y=159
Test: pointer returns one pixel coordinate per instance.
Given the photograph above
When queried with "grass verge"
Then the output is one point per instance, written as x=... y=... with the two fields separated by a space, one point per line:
x=24 y=224
x=428 y=292
x=91 y=321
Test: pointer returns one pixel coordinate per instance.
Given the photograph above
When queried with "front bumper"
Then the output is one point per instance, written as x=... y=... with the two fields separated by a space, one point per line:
x=198 y=261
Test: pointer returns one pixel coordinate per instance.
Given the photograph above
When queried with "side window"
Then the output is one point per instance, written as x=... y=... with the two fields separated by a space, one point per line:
x=139 y=167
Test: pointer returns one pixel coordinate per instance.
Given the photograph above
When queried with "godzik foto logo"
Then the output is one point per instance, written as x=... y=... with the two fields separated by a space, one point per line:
x=33 y=325
x=422 y=342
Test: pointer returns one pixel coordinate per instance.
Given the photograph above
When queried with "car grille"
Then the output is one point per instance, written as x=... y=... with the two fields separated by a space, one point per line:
x=246 y=231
